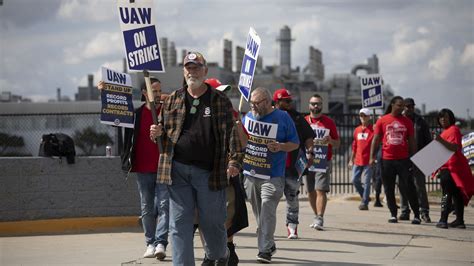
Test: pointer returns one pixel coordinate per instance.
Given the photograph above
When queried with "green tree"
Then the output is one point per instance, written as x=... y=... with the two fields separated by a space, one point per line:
x=7 y=141
x=88 y=140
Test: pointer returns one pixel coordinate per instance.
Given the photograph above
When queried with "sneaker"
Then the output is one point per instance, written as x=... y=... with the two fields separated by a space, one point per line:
x=404 y=216
x=150 y=251
x=264 y=257
x=426 y=218
x=292 y=231
x=318 y=223
x=378 y=203
x=160 y=252
x=233 y=258
x=207 y=262
x=442 y=225
x=363 y=207
x=393 y=220
x=457 y=224
x=416 y=220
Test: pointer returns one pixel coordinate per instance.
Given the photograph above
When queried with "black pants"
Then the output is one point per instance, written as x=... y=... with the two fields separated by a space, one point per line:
x=452 y=194
x=402 y=168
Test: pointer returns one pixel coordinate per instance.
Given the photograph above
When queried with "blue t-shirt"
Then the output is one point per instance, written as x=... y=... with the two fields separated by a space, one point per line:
x=286 y=132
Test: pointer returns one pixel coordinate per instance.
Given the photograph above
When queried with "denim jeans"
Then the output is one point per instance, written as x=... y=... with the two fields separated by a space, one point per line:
x=364 y=191
x=154 y=199
x=190 y=191
x=264 y=196
x=291 y=191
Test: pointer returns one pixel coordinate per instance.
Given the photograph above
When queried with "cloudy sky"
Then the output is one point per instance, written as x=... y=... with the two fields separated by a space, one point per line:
x=425 y=48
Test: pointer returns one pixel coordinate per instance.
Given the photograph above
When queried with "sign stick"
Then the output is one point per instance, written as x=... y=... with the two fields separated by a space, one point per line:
x=151 y=101
x=240 y=104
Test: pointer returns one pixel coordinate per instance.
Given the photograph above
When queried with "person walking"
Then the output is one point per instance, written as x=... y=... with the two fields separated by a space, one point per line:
x=282 y=100
x=318 y=182
x=140 y=156
x=200 y=154
x=457 y=181
x=396 y=133
x=272 y=134
x=422 y=138
x=359 y=161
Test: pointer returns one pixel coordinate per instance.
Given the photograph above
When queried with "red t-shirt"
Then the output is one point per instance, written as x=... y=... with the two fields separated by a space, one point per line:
x=323 y=122
x=361 y=145
x=395 y=131
x=146 y=151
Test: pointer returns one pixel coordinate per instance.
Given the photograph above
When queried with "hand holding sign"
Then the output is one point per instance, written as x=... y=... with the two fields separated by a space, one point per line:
x=274 y=146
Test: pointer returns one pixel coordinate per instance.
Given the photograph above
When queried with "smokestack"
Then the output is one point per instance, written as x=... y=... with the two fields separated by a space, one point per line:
x=285 y=47
x=227 y=55
x=164 y=50
x=171 y=55
x=58 y=94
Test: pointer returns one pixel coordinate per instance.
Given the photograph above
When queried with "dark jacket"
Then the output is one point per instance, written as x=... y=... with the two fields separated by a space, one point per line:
x=304 y=132
x=422 y=131
x=128 y=152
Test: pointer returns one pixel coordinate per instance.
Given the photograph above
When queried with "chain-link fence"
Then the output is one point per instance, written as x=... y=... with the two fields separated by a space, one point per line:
x=20 y=135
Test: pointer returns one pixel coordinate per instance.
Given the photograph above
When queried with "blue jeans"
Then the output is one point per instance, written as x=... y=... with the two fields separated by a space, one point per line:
x=364 y=191
x=190 y=191
x=291 y=191
x=154 y=199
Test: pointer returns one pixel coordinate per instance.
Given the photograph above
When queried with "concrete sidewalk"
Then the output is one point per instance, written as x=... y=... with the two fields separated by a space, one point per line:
x=351 y=237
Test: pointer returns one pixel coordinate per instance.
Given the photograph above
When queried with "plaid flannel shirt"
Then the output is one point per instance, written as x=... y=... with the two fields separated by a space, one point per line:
x=228 y=150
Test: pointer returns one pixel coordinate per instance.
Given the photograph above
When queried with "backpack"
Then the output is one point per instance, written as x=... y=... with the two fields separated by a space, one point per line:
x=58 y=144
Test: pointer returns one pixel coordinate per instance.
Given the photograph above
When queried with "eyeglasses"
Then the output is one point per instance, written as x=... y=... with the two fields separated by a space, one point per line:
x=193 y=109
x=256 y=103
x=316 y=103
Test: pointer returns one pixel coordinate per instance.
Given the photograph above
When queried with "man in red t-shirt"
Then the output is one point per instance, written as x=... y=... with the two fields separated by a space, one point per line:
x=359 y=161
x=397 y=135
x=317 y=183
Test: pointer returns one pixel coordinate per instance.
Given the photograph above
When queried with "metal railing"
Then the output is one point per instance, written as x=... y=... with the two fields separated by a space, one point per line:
x=31 y=127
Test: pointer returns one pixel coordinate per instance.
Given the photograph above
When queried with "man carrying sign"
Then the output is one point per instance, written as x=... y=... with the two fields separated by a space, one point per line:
x=272 y=134
x=200 y=154
x=318 y=182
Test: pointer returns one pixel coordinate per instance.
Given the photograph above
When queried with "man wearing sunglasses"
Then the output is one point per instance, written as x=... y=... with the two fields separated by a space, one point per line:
x=200 y=152
x=317 y=182
x=282 y=100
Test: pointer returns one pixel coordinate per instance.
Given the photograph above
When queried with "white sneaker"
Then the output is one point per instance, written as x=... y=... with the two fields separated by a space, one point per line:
x=318 y=223
x=160 y=252
x=149 y=253
x=292 y=231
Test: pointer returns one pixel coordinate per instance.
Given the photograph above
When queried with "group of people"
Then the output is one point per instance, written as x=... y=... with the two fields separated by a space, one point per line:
x=209 y=152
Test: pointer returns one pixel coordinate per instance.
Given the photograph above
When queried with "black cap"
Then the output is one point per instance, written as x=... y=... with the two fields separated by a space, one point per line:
x=409 y=101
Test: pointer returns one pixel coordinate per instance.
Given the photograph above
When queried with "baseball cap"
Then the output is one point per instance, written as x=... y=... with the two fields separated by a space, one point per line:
x=409 y=101
x=216 y=84
x=194 y=57
x=281 y=94
x=365 y=111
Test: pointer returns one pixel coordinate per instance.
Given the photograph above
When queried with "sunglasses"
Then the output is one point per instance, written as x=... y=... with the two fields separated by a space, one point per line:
x=316 y=104
x=256 y=103
x=193 y=109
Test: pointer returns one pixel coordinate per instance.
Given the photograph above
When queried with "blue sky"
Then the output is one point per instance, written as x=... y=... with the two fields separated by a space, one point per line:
x=425 y=48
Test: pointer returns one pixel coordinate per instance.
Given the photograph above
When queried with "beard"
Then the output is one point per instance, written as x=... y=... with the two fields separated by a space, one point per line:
x=256 y=115
x=194 y=82
x=316 y=111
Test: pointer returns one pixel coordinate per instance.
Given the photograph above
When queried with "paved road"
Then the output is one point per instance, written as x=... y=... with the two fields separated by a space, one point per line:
x=352 y=237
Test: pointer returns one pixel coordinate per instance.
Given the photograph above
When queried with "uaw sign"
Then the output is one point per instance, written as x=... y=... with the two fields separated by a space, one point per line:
x=139 y=34
x=371 y=89
x=258 y=158
x=116 y=96
x=248 y=63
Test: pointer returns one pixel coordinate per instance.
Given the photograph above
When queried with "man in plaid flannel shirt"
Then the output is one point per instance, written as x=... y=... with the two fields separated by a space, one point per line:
x=201 y=150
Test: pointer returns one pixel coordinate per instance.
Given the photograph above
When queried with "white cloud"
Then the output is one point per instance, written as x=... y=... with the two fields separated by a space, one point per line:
x=423 y=30
x=406 y=51
x=441 y=65
x=467 y=57
x=103 y=44
x=85 y=10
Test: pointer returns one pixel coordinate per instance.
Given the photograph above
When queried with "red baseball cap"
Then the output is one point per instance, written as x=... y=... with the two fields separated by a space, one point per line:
x=216 y=84
x=281 y=94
